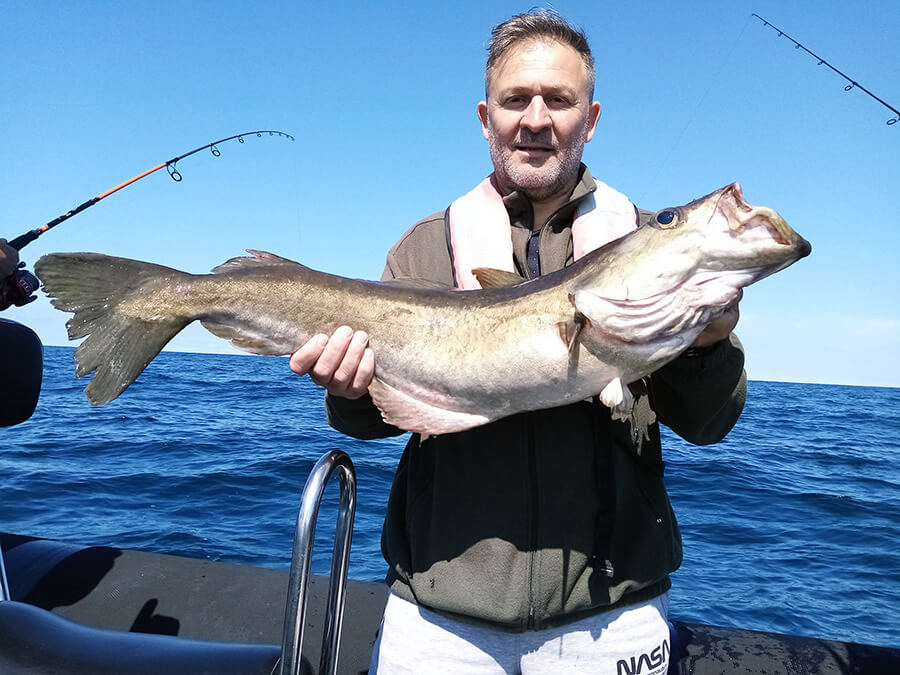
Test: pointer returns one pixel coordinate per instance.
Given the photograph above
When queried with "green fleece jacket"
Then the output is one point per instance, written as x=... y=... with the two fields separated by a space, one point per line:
x=547 y=516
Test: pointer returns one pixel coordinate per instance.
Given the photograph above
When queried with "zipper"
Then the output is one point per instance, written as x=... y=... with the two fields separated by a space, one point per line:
x=533 y=260
x=533 y=621
x=542 y=237
x=533 y=254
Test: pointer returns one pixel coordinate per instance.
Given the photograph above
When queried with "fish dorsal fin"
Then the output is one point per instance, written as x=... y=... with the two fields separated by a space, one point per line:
x=255 y=259
x=490 y=277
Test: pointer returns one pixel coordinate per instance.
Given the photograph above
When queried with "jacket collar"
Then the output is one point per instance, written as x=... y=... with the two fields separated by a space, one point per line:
x=521 y=213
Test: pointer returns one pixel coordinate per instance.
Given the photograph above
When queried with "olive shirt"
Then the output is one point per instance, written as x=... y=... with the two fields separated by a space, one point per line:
x=547 y=516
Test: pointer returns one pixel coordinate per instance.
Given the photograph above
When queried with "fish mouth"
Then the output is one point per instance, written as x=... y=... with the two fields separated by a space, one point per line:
x=731 y=202
x=743 y=217
x=738 y=195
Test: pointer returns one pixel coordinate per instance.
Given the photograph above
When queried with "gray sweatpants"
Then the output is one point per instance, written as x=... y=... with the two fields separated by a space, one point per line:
x=416 y=641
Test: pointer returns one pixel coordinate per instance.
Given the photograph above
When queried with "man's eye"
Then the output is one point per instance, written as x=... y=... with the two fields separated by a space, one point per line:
x=515 y=102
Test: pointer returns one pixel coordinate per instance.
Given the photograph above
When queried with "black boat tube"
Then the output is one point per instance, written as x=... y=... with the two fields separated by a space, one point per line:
x=128 y=590
x=21 y=372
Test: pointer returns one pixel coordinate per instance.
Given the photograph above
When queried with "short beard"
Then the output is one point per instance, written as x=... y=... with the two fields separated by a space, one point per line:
x=535 y=185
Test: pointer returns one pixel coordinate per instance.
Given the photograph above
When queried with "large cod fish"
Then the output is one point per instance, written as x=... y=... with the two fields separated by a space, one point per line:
x=446 y=360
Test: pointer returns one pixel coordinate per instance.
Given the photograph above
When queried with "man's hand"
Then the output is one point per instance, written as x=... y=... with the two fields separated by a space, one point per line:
x=17 y=285
x=722 y=327
x=343 y=363
x=9 y=259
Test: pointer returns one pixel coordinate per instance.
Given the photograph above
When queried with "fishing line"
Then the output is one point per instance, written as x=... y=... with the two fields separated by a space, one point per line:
x=713 y=82
x=822 y=62
x=22 y=240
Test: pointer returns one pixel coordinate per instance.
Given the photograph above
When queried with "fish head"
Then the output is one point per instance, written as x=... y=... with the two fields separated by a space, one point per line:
x=718 y=241
x=666 y=281
x=721 y=233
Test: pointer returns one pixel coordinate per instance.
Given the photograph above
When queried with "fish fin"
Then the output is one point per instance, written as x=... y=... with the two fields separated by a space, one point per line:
x=405 y=412
x=490 y=277
x=618 y=399
x=118 y=344
x=118 y=352
x=248 y=339
x=255 y=259
x=570 y=331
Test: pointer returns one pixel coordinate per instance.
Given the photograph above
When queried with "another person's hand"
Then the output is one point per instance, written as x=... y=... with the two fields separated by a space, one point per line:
x=720 y=328
x=17 y=285
x=9 y=259
x=343 y=363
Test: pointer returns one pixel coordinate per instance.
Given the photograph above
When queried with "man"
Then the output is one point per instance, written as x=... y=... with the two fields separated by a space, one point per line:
x=542 y=542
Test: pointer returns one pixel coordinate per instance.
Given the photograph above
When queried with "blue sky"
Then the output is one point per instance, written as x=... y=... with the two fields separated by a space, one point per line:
x=381 y=100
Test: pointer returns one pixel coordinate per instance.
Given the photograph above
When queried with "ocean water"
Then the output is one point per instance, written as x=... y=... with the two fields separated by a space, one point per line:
x=792 y=524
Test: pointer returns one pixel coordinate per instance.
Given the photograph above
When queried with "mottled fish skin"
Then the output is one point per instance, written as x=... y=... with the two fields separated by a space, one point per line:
x=446 y=360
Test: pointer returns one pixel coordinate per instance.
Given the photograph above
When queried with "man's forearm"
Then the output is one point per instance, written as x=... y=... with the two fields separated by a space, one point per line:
x=701 y=398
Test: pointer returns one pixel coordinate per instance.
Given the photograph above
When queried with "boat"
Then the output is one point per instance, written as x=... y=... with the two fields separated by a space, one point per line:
x=67 y=608
x=21 y=366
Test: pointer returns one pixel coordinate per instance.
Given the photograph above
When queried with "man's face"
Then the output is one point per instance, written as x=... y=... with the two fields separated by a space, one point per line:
x=538 y=117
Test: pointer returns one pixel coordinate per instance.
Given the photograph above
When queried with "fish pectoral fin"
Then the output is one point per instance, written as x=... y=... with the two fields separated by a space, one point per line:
x=490 y=277
x=248 y=339
x=406 y=412
x=618 y=399
x=569 y=331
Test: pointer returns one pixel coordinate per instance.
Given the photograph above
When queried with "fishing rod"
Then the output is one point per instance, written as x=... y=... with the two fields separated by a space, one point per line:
x=823 y=62
x=22 y=240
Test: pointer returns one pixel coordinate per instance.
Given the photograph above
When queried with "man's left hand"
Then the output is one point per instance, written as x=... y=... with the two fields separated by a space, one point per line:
x=720 y=328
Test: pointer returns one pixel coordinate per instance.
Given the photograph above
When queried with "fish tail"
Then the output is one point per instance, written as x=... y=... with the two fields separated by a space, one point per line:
x=120 y=340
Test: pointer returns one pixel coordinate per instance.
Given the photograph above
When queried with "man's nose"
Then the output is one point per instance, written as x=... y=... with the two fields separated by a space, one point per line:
x=537 y=115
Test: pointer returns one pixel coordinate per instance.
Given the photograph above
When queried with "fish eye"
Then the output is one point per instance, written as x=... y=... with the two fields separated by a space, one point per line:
x=666 y=219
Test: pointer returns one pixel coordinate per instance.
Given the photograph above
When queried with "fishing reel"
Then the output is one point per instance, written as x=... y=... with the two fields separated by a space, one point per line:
x=18 y=288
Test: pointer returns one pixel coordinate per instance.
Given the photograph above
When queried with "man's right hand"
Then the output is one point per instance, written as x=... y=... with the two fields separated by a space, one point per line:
x=343 y=363
x=9 y=259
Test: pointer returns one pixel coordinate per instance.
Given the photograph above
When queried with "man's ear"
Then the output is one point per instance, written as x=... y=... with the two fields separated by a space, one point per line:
x=593 y=117
x=482 y=112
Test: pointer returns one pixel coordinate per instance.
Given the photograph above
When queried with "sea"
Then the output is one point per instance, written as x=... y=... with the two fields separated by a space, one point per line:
x=790 y=525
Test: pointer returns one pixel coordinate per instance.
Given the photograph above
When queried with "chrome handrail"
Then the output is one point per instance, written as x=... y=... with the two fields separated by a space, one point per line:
x=304 y=536
x=4 y=585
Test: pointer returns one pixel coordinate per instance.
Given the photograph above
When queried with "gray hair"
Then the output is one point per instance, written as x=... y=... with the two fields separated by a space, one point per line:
x=539 y=24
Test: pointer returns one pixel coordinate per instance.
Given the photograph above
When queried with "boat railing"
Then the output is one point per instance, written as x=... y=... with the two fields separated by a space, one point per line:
x=298 y=582
x=4 y=585
x=33 y=639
